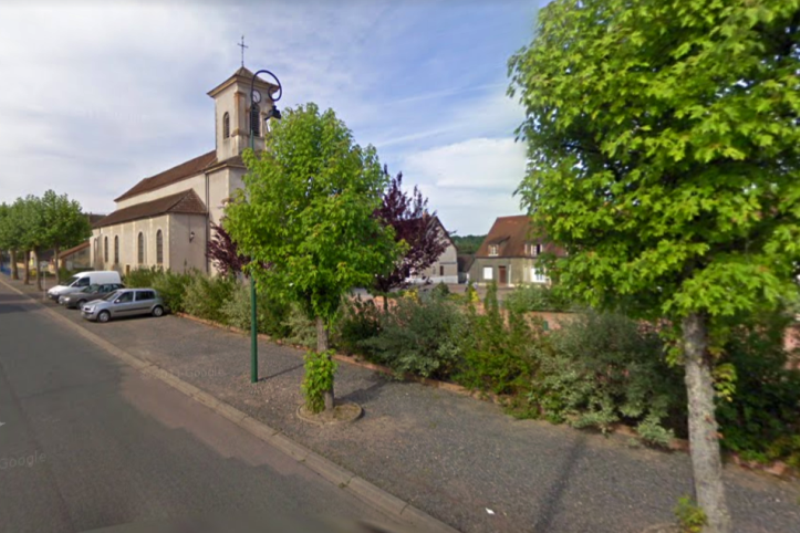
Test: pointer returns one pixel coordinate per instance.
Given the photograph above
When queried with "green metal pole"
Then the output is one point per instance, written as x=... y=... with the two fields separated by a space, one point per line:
x=253 y=309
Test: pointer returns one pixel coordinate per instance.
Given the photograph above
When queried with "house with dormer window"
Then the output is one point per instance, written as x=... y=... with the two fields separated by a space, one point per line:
x=509 y=255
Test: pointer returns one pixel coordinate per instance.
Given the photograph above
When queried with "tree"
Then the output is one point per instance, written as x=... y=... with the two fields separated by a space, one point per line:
x=11 y=233
x=28 y=217
x=224 y=253
x=63 y=224
x=664 y=155
x=307 y=209
x=414 y=226
x=5 y=236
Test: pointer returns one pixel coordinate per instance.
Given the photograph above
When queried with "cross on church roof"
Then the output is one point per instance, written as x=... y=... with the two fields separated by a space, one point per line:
x=242 y=46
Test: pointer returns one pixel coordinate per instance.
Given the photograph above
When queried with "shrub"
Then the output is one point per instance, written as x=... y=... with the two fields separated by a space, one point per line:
x=318 y=378
x=301 y=330
x=420 y=335
x=361 y=320
x=171 y=287
x=536 y=297
x=140 y=277
x=272 y=315
x=606 y=368
x=761 y=420
x=499 y=355
x=206 y=295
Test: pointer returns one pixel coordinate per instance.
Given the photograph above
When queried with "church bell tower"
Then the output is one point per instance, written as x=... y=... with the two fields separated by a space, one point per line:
x=235 y=110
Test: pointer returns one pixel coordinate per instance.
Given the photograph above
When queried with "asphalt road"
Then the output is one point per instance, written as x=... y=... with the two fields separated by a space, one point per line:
x=88 y=443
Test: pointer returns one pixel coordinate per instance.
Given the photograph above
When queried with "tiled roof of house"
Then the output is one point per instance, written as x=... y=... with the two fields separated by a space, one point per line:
x=510 y=234
x=75 y=249
x=184 y=170
x=185 y=202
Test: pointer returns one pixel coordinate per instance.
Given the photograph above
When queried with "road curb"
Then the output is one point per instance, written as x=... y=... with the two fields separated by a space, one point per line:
x=343 y=478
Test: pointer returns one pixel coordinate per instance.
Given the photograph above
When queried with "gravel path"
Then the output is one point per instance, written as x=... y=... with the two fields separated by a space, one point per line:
x=461 y=460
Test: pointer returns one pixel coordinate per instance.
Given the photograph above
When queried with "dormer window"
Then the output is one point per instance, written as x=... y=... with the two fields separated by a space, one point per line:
x=493 y=251
x=226 y=125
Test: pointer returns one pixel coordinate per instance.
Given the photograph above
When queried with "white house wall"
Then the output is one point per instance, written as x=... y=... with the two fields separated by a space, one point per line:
x=186 y=252
x=128 y=233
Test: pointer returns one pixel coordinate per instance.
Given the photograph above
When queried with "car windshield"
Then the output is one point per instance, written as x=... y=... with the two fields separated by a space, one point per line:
x=111 y=296
x=91 y=288
x=71 y=281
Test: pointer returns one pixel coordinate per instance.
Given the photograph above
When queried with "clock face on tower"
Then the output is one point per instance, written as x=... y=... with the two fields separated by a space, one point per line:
x=256 y=96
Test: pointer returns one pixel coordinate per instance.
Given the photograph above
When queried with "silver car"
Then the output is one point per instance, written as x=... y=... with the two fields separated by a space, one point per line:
x=124 y=302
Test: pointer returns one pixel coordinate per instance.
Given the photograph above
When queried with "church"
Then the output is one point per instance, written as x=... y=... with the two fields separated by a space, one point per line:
x=165 y=219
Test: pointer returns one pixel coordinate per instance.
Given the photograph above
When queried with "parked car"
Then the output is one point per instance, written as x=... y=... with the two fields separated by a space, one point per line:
x=125 y=302
x=92 y=292
x=82 y=280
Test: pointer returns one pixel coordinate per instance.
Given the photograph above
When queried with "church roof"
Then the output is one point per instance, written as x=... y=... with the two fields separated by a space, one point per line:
x=184 y=202
x=185 y=170
x=75 y=249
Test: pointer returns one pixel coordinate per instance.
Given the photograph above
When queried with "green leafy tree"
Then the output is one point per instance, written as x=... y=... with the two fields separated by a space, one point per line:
x=64 y=224
x=11 y=234
x=306 y=211
x=663 y=156
x=6 y=239
x=29 y=229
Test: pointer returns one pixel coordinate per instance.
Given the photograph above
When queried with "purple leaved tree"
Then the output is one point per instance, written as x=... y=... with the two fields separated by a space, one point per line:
x=223 y=253
x=412 y=223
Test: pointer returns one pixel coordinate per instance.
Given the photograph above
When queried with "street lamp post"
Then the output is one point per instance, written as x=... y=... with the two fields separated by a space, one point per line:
x=255 y=119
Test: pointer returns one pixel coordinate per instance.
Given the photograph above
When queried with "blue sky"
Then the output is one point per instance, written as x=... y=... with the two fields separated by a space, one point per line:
x=94 y=97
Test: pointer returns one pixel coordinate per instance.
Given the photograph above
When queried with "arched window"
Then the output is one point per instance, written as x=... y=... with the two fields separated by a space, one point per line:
x=116 y=249
x=160 y=246
x=140 y=248
x=255 y=120
x=105 y=249
x=226 y=125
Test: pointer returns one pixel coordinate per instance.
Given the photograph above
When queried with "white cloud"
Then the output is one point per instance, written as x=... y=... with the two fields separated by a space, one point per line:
x=472 y=181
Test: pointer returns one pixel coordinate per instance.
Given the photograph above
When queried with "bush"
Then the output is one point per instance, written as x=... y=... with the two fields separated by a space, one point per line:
x=361 y=320
x=420 y=335
x=606 y=368
x=536 y=297
x=140 y=277
x=301 y=330
x=171 y=287
x=205 y=296
x=500 y=355
x=272 y=315
x=761 y=420
x=318 y=378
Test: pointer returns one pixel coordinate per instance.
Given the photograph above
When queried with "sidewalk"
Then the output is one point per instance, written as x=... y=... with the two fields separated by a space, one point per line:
x=452 y=456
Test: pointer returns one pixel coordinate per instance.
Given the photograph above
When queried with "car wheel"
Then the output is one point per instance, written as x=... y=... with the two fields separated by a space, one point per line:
x=61 y=300
x=104 y=316
x=158 y=311
x=81 y=303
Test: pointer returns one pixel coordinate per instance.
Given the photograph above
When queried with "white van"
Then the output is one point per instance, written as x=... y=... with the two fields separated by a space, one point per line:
x=82 y=280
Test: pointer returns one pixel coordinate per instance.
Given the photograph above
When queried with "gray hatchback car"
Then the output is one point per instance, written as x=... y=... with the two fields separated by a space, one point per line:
x=124 y=302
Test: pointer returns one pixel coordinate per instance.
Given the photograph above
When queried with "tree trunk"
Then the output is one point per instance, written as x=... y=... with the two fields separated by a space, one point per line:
x=385 y=302
x=38 y=272
x=703 y=435
x=14 y=267
x=26 y=279
x=322 y=346
x=55 y=259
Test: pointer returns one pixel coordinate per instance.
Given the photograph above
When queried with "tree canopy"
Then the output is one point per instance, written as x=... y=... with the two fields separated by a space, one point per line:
x=664 y=156
x=307 y=210
x=415 y=227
